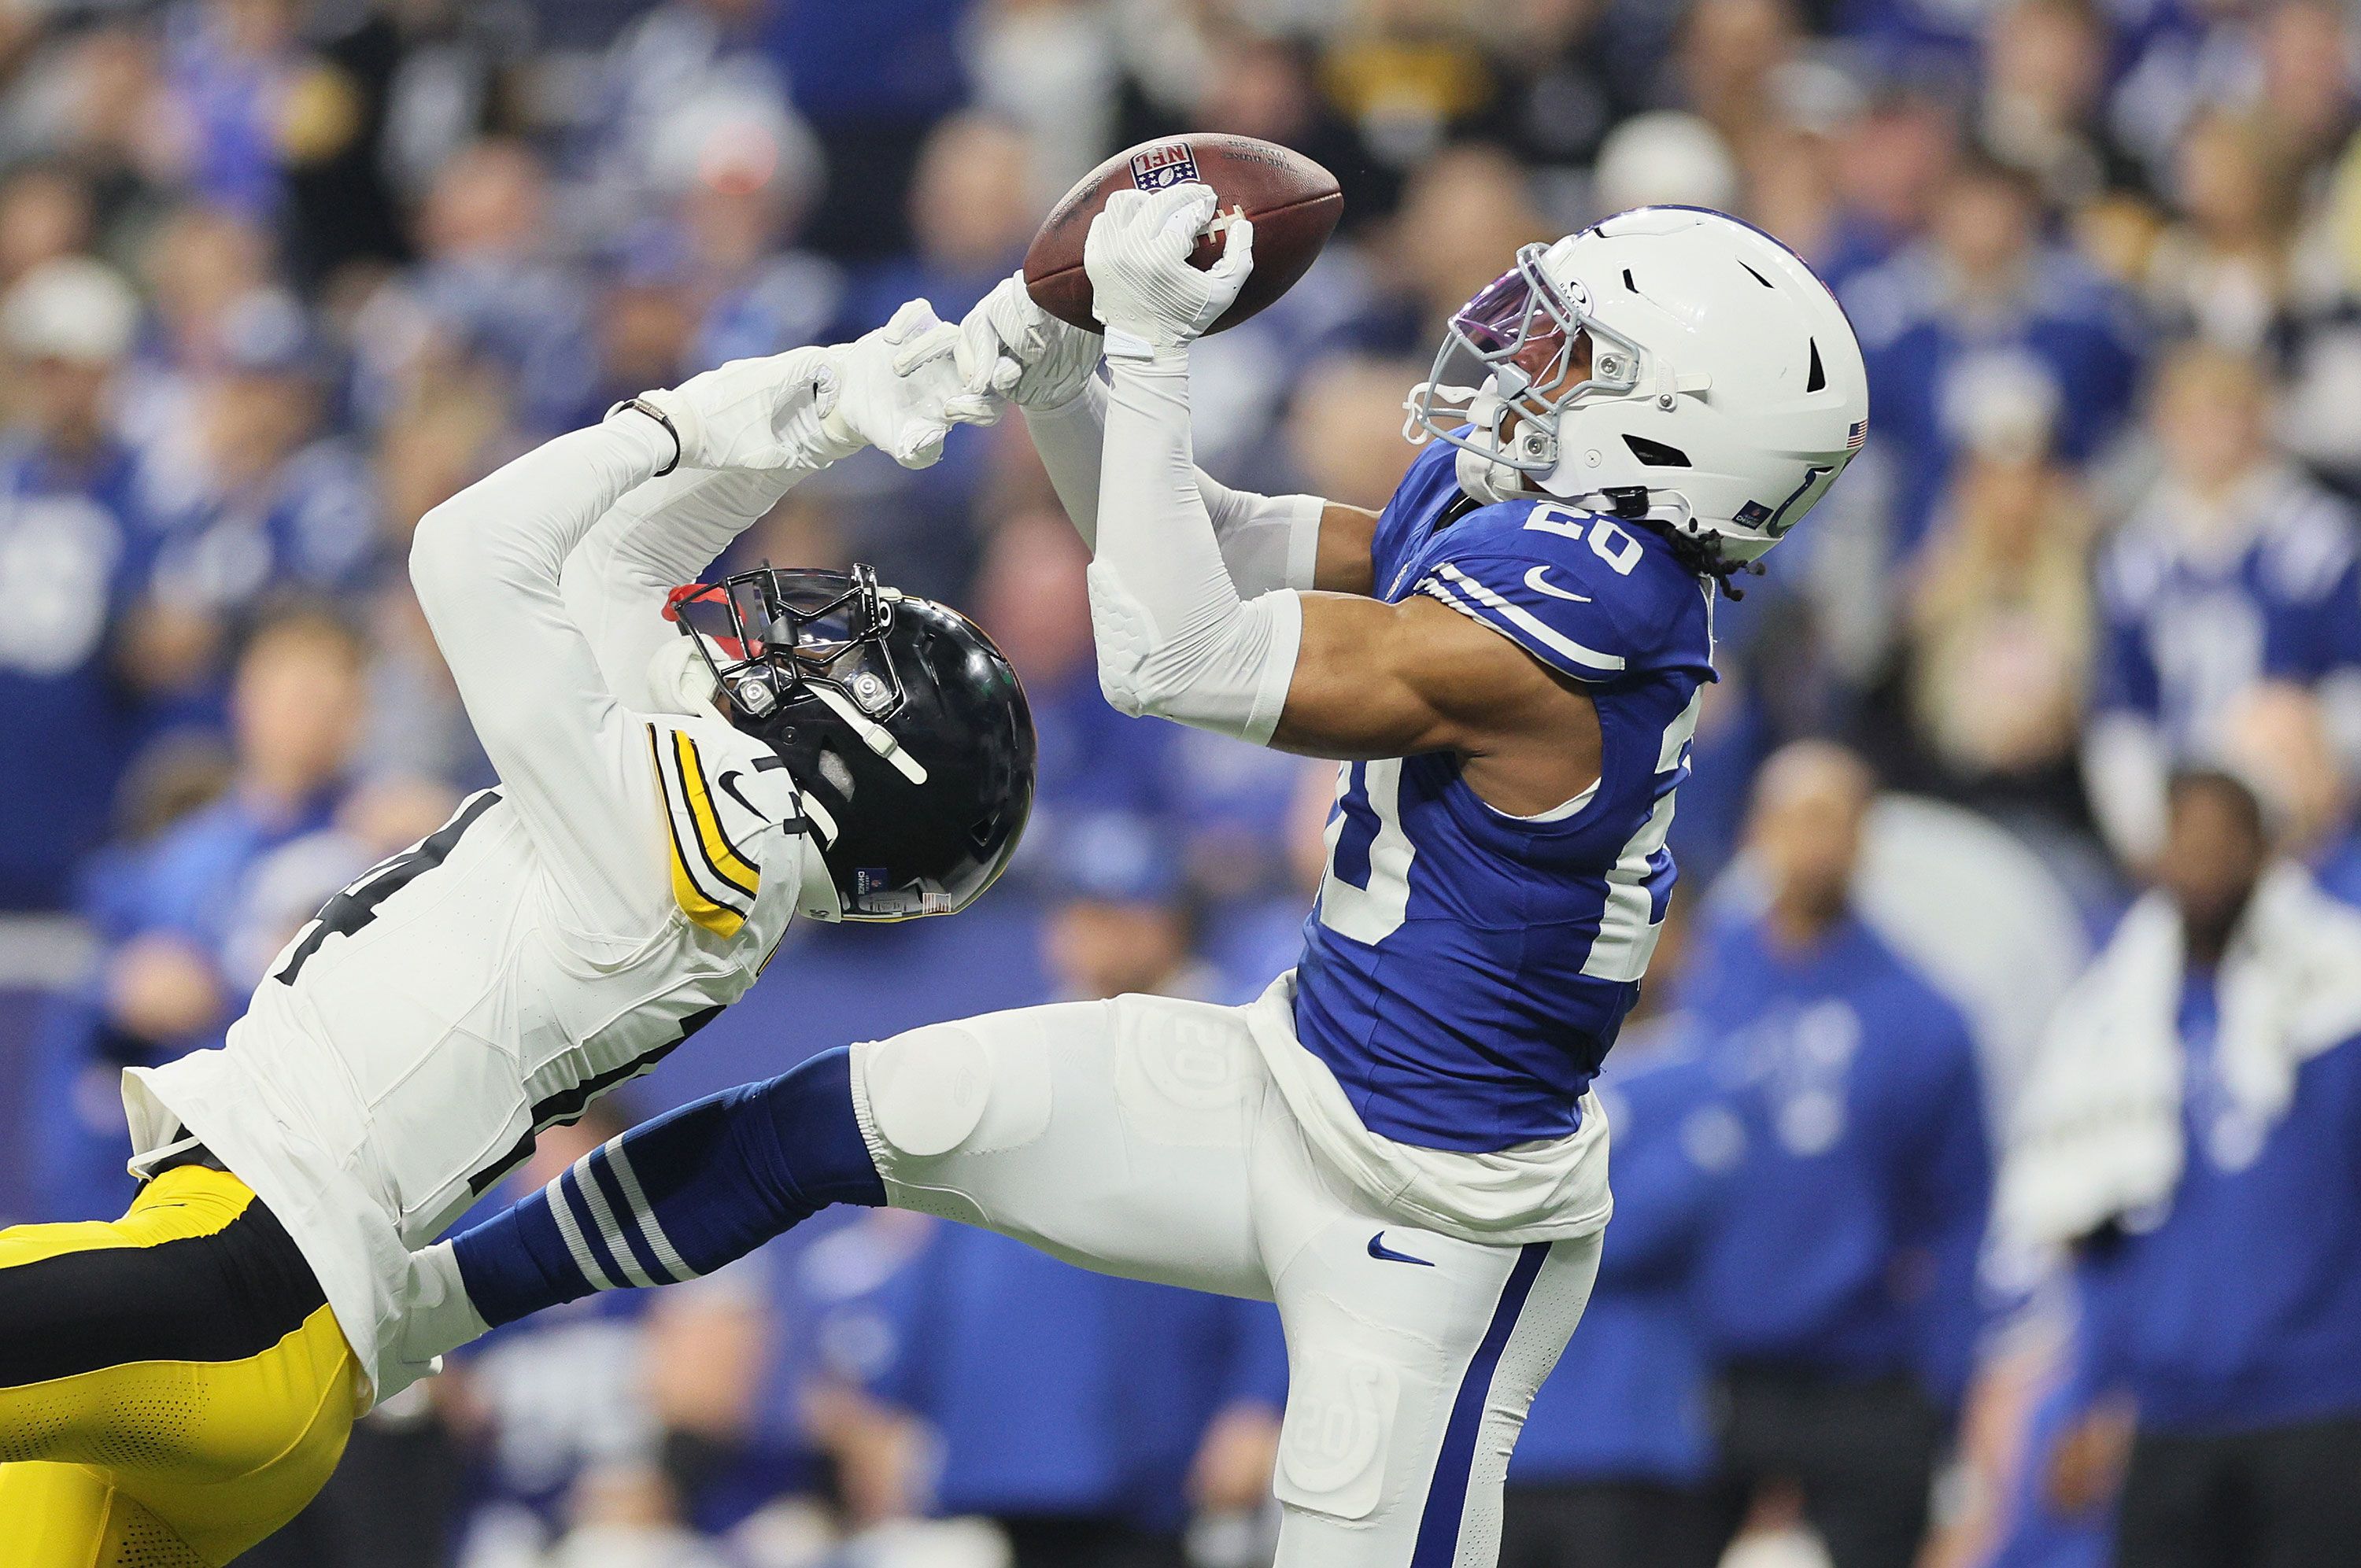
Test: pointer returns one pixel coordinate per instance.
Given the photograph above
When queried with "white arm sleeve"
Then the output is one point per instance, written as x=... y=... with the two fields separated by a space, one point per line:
x=1268 y=542
x=1174 y=638
x=486 y=566
x=661 y=534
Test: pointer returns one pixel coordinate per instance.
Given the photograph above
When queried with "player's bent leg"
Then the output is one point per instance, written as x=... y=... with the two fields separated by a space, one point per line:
x=303 y=1395
x=1109 y=1133
x=669 y=1201
x=174 y=1386
x=1114 y=1135
x=1413 y=1358
x=70 y=1516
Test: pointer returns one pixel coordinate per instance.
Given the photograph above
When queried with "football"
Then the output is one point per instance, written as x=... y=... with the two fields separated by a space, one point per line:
x=1294 y=204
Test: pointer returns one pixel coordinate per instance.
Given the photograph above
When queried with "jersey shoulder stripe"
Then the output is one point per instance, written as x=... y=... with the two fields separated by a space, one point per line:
x=733 y=866
x=712 y=880
x=1478 y=603
x=1597 y=598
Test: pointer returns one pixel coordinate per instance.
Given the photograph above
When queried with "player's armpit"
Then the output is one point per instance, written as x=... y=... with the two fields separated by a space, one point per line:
x=486 y=566
x=1374 y=680
x=1343 y=565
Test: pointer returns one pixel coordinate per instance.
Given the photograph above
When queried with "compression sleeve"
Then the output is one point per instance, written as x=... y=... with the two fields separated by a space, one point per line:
x=487 y=567
x=661 y=534
x=1174 y=637
x=1267 y=542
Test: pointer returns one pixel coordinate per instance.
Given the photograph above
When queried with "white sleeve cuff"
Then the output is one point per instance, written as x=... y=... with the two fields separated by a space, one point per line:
x=1304 y=513
x=1283 y=646
x=1267 y=542
x=1231 y=678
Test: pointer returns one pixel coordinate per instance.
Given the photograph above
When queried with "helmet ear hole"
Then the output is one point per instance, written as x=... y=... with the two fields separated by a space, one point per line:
x=838 y=776
x=1655 y=453
x=1818 y=379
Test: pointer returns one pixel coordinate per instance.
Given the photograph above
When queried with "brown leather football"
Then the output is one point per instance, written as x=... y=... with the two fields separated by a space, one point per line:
x=1293 y=201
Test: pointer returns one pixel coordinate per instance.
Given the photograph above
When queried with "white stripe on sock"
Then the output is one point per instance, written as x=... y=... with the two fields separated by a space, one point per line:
x=603 y=1216
x=584 y=1258
x=658 y=1243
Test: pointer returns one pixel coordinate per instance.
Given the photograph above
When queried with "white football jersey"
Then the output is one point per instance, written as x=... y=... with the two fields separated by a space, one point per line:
x=562 y=933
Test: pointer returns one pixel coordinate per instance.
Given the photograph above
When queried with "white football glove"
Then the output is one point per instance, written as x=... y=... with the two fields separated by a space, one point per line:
x=750 y=414
x=1154 y=303
x=897 y=386
x=1010 y=347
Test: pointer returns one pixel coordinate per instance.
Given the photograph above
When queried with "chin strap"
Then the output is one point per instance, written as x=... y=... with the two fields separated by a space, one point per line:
x=875 y=736
x=1478 y=466
x=1486 y=478
x=815 y=830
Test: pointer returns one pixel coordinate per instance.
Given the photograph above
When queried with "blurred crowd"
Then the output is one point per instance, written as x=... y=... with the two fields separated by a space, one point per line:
x=276 y=278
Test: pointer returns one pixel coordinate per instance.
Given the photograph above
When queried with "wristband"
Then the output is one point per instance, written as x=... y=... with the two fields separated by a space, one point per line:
x=642 y=405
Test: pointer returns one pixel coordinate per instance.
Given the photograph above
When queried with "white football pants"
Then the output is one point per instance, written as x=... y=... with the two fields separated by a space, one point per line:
x=1145 y=1137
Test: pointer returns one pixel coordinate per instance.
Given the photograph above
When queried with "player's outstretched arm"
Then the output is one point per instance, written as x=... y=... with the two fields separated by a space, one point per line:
x=1328 y=674
x=892 y=387
x=1011 y=347
x=487 y=565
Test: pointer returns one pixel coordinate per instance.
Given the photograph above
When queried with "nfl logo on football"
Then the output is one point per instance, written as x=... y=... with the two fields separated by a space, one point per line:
x=1160 y=167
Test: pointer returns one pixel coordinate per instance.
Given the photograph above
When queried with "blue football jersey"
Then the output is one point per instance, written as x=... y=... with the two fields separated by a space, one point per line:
x=1464 y=970
x=2190 y=627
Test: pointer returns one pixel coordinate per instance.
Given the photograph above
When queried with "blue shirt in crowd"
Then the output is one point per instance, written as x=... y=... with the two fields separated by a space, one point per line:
x=2241 y=1308
x=75 y=548
x=189 y=883
x=2030 y=1528
x=894 y=61
x=2187 y=630
x=1628 y=1399
x=1112 y=1382
x=1847 y=1238
x=1932 y=360
x=195 y=879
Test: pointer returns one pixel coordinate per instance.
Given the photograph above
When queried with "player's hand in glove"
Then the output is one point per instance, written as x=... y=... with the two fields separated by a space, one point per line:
x=897 y=385
x=1010 y=347
x=1154 y=303
x=748 y=413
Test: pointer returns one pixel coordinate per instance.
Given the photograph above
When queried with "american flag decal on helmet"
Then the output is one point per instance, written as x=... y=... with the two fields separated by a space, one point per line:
x=1161 y=167
x=1857 y=436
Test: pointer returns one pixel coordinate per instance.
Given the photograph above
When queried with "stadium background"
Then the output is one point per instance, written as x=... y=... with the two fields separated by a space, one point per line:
x=276 y=278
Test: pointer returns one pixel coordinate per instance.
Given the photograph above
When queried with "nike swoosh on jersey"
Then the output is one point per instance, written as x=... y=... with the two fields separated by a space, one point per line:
x=1384 y=1254
x=729 y=782
x=1537 y=581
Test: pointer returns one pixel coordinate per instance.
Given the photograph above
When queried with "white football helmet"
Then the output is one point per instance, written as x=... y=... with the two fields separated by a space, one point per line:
x=1726 y=391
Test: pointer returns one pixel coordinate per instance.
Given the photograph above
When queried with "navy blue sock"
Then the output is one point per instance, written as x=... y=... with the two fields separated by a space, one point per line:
x=679 y=1196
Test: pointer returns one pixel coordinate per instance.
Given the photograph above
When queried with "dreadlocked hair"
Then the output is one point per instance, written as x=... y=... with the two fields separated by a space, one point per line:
x=1701 y=553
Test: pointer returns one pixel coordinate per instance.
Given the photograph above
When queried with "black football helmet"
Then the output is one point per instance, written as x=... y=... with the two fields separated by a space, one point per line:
x=905 y=730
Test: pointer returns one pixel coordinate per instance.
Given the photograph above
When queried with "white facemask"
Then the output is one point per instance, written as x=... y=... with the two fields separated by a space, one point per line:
x=1481 y=475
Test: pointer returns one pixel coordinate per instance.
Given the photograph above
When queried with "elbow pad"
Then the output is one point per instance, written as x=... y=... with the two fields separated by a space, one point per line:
x=1228 y=673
